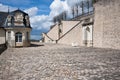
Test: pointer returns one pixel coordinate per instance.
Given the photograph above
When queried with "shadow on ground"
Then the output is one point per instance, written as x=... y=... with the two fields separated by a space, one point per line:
x=35 y=45
x=3 y=47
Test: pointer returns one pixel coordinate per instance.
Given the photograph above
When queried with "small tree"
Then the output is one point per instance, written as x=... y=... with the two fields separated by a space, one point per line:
x=64 y=15
x=76 y=8
x=82 y=6
x=73 y=12
x=88 y=5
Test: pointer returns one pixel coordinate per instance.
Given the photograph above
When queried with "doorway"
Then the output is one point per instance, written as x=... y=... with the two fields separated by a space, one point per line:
x=87 y=35
x=18 y=39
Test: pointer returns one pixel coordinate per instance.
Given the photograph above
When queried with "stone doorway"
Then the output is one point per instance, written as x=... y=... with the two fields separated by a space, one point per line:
x=88 y=35
x=18 y=39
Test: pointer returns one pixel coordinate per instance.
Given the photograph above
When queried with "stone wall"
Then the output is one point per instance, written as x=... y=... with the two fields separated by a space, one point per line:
x=2 y=40
x=2 y=36
x=52 y=35
x=74 y=37
x=25 y=42
x=46 y=38
x=67 y=25
x=107 y=24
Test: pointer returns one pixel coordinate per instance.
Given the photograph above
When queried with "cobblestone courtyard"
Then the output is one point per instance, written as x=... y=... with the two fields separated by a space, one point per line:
x=59 y=62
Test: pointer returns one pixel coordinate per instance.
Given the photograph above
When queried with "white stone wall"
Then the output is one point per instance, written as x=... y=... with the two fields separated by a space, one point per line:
x=67 y=25
x=24 y=42
x=53 y=33
x=2 y=36
x=74 y=37
x=47 y=39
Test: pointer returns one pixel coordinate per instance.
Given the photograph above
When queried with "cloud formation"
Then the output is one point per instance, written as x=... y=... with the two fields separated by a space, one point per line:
x=4 y=8
x=40 y=22
x=32 y=11
x=58 y=7
x=43 y=22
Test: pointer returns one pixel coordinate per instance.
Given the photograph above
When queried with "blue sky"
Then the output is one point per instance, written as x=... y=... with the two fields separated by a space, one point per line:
x=40 y=11
x=42 y=5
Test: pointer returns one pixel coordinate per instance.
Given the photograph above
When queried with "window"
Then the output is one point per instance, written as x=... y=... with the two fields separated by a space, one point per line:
x=18 y=37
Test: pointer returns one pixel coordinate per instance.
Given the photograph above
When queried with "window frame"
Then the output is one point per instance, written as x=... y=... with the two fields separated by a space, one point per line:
x=18 y=37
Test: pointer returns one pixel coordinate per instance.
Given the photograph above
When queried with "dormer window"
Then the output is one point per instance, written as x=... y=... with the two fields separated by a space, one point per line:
x=19 y=17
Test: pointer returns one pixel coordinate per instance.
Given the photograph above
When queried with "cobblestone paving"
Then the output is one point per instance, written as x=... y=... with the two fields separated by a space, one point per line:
x=59 y=62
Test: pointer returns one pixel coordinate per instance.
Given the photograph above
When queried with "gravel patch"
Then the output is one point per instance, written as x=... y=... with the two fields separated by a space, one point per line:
x=59 y=62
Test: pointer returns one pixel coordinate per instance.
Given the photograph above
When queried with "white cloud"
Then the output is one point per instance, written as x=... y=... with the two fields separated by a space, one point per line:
x=4 y=8
x=40 y=22
x=32 y=11
x=43 y=21
x=57 y=7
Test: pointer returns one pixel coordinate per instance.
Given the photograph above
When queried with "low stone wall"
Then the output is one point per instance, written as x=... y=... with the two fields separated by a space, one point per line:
x=3 y=47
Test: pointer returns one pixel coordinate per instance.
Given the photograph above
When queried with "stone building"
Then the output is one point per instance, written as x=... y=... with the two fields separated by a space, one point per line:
x=2 y=35
x=98 y=29
x=17 y=28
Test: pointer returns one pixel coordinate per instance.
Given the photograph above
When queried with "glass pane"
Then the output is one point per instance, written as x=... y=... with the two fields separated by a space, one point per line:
x=20 y=38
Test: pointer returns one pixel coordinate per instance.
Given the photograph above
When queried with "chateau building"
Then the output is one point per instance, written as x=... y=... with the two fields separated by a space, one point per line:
x=98 y=29
x=15 y=28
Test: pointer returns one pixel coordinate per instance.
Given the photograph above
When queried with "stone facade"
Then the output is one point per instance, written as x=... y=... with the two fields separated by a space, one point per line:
x=52 y=35
x=58 y=30
x=100 y=29
x=17 y=28
x=80 y=34
x=107 y=24
x=73 y=37
x=25 y=37
x=71 y=32
x=2 y=36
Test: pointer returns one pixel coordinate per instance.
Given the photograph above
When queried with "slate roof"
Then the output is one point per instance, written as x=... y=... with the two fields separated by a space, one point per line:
x=18 y=10
x=3 y=16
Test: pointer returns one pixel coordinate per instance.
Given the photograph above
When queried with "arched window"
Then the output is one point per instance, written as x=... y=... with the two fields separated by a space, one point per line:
x=18 y=37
